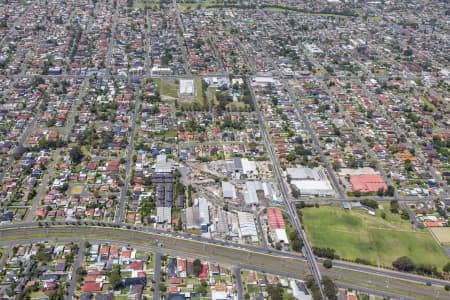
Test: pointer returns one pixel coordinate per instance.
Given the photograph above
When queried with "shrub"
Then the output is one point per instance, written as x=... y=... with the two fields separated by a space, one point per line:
x=327 y=264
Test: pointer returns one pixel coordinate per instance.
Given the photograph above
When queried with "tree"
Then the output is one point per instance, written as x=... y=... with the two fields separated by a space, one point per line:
x=408 y=52
x=58 y=294
x=408 y=165
x=162 y=287
x=394 y=206
x=115 y=278
x=275 y=291
x=446 y=268
x=427 y=269
x=81 y=271
x=296 y=241
x=325 y=252
x=336 y=165
x=380 y=192
x=330 y=288
x=370 y=203
x=327 y=264
x=197 y=267
x=313 y=287
x=295 y=191
x=76 y=154
x=405 y=215
x=404 y=263
x=390 y=191
x=291 y=156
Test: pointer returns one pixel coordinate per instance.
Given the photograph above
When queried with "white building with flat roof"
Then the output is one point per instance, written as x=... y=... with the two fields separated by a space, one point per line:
x=203 y=211
x=247 y=226
x=187 y=87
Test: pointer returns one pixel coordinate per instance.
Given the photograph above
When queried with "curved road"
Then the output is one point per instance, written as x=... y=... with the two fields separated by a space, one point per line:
x=243 y=258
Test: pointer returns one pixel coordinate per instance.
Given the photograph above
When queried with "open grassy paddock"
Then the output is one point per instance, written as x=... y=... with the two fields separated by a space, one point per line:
x=355 y=234
x=167 y=88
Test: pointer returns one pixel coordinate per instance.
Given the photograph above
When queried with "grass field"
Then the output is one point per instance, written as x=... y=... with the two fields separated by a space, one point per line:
x=199 y=90
x=355 y=234
x=167 y=88
x=77 y=190
x=442 y=234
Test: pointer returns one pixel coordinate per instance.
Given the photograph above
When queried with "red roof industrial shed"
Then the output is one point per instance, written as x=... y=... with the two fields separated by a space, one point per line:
x=275 y=217
x=367 y=183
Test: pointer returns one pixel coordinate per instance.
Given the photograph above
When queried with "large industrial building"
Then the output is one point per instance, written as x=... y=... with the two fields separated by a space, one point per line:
x=228 y=191
x=251 y=197
x=245 y=166
x=367 y=183
x=277 y=226
x=310 y=181
x=247 y=227
x=197 y=216
x=203 y=211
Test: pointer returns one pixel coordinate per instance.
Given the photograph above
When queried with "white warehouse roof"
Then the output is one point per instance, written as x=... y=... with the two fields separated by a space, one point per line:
x=187 y=87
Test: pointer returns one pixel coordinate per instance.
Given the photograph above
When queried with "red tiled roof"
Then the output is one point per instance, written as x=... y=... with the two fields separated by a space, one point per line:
x=204 y=272
x=275 y=218
x=367 y=183
x=92 y=287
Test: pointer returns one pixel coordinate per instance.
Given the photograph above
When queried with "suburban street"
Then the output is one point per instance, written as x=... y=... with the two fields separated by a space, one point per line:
x=239 y=287
x=78 y=263
x=123 y=191
x=157 y=276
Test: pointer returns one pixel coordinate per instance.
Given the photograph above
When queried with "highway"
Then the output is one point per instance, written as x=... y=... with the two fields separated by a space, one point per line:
x=240 y=258
x=253 y=249
x=261 y=258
